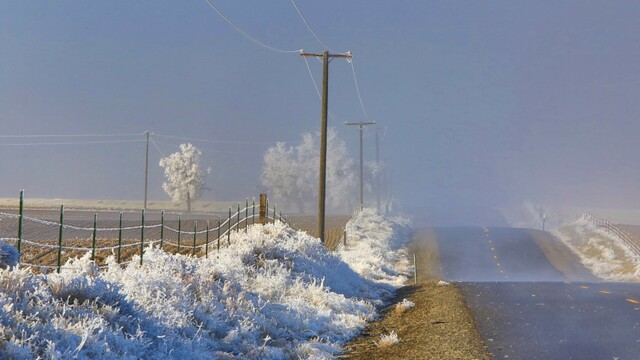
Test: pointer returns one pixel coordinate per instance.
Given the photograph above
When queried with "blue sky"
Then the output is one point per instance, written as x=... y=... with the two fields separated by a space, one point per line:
x=485 y=103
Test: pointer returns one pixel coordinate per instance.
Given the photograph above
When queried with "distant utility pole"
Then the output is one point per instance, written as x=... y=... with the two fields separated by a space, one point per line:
x=361 y=125
x=146 y=170
x=377 y=170
x=323 y=134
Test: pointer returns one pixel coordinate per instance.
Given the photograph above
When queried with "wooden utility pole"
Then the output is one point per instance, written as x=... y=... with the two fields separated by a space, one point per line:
x=146 y=170
x=361 y=125
x=326 y=57
x=377 y=170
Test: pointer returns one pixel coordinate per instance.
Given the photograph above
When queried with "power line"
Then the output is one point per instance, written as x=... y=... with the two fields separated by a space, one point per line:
x=67 y=135
x=309 y=26
x=315 y=85
x=355 y=80
x=206 y=149
x=254 y=40
x=218 y=141
x=74 y=143
x=156 y=145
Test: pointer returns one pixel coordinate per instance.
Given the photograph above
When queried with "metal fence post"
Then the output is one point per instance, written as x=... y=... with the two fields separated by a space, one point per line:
x=161 y=228
x=195 y=231
x=238 y=221
x=253 y=213
x=229 y=228
x=120 y=239
x=219 y=226
x=206 y=247
x=142 y=238
x=60 y=237
x=93 y=243
x=246 y=217
x=179 y=230
x=20 y=221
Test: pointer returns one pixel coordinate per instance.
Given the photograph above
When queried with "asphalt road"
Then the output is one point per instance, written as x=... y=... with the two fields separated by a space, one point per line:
x=525 y=308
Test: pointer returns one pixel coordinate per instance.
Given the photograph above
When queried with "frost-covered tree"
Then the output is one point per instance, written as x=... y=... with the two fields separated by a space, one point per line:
x=185 y=178
x=291 y=173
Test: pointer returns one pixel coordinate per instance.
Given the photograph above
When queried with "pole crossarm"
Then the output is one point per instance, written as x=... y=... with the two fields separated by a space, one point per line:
x=361 y=123
x=346 y=55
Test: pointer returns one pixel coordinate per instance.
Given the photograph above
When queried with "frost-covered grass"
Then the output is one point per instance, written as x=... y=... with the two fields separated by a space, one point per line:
x=275 y=293
x=388 y=340
x=404 y=306
x=602 y=252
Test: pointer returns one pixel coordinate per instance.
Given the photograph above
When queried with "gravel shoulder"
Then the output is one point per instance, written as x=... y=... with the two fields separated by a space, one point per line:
x=440 y=326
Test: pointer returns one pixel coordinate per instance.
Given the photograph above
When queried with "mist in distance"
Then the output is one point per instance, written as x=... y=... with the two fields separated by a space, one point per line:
x=482 y=106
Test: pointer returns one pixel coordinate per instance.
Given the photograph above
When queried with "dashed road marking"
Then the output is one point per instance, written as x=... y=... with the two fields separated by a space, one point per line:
x=584 y=287
x=605 y=292
x=633 y=301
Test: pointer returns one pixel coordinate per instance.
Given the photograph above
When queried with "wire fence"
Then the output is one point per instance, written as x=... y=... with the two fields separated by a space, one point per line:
x=46 y=244
x=615 y=230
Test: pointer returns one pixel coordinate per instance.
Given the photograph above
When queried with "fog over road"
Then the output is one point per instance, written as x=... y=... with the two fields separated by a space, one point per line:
x=532 y=299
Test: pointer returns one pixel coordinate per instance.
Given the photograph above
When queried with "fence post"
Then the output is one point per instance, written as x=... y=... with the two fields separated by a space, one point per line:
x=120 y=239
x=161 y=228
x=238 y=217
x=219 y=225
x=20 y=219
x=142 y=238
x=229 y=228
x=206 y=247
x=253 y=213
x=195 y=231
x=60 y=237
x=93 y=243
x=179 y=230
x=344 y=238
x=263 y=207
x=246 y=217
x=274 y=213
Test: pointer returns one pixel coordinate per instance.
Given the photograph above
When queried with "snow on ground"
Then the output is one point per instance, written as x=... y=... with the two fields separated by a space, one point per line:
x=602 y=252
x=275 y=293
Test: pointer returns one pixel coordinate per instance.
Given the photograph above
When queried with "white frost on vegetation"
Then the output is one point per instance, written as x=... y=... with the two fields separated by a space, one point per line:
x=375 y=248
x=9 y=256
x=602 y=252
x=275 y=293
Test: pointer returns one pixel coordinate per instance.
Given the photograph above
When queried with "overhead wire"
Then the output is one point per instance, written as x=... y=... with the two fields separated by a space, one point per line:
x=217 y=141
x=66 y=135
x=74 y=143
x=350 y=60
x=308 y=26
x=245 y=34
x=315 y=85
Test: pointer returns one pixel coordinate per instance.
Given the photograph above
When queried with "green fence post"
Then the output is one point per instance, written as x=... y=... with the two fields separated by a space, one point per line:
x=60 y=237
x=120 y=239
x=219 y=225
x=142 y=238
x=161 y=228
x=20 y=219
x=253 y=213
x=238 y=221
x=206 y=247
x=179 y=230
x=195 y=230
x=266 y=219
x=93 y=243
x=229 y=228
x=246 y=217
x=274 y=214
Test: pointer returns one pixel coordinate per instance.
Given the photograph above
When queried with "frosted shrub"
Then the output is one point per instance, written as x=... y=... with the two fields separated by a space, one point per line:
x=404 y=306
x=387 y=341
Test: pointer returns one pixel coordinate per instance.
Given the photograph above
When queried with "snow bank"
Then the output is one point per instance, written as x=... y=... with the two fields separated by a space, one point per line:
x=274 y=293
x=602 y=252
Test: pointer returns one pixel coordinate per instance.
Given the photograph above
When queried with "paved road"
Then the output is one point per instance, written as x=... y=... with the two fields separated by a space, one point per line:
x=526 y=308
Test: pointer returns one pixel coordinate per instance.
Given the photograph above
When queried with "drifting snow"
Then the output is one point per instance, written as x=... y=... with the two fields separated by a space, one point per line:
x=602 y=252
x=274 y=293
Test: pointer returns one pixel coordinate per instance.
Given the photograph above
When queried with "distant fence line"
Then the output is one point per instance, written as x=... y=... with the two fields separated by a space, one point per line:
x=615 y=230
x=236 y=221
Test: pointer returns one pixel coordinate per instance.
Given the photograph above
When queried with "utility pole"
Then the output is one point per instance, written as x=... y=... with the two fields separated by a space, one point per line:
x=377 y=170
x=361 y=125
x=326 y=57
x=146 y=170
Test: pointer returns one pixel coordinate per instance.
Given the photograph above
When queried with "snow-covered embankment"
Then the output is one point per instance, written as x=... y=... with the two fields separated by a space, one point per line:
x=274 y=293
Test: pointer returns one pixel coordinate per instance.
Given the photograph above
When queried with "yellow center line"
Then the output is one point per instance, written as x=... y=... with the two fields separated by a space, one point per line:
x=633 y=301
x=498 y=263
x=584 y=287
x=493 y=249
x=605 y=292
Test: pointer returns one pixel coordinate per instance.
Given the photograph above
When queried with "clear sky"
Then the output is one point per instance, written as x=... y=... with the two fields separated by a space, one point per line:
x=484 y=103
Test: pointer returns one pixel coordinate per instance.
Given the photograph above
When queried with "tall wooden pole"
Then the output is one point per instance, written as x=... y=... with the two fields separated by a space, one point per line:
x=361 y=125
x=323 y=135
